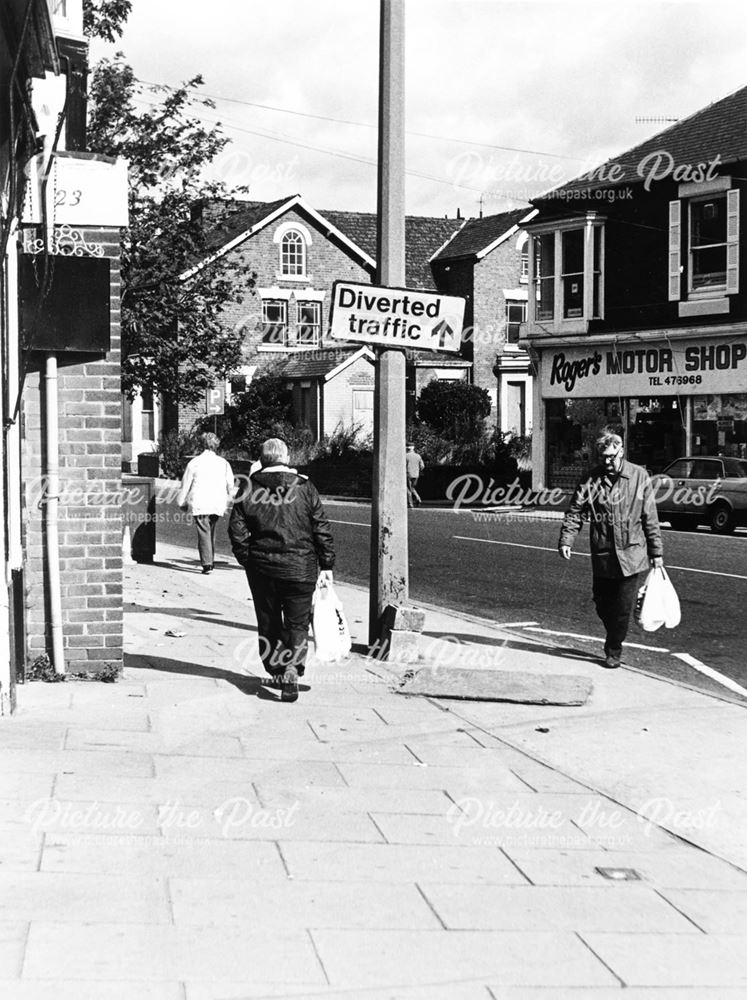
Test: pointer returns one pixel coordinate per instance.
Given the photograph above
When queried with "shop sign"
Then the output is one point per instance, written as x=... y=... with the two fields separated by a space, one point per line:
x=646 y=369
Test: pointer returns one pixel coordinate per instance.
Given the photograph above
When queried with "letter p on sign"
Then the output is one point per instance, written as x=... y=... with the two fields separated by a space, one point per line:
x=215 y=400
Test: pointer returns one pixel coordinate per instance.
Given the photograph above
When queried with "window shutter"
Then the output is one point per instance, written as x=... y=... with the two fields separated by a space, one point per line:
x=675 y=245
x=732 y=242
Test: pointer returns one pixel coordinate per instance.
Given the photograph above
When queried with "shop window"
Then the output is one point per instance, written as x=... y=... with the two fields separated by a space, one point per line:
x=275 y=321
x=516 y=314
x=293 y=255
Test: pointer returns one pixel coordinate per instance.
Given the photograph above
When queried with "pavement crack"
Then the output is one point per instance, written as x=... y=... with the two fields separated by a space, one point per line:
x=282 y=858
x=385 y=839
x=318 y=956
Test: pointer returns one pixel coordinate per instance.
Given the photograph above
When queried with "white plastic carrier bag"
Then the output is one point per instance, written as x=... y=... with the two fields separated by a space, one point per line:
x=658 y=603
x=329 y=625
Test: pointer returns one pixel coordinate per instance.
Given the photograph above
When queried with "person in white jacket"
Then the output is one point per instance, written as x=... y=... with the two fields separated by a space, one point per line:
x=206 y=492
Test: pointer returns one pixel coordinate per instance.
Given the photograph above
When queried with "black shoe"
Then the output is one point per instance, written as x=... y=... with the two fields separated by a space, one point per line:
x=207 y=569
x=612 y=662
x=290 y=685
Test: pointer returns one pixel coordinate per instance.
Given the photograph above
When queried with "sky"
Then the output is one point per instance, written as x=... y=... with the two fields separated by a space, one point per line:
x=504 y=98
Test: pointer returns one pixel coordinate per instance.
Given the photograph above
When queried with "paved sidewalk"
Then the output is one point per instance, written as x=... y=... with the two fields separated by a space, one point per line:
x=183 y=835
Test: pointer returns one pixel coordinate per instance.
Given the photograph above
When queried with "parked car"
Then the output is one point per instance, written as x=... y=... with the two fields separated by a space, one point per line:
x=703 y=489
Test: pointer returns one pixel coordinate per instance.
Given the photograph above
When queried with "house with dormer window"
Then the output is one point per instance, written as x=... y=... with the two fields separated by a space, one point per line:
x=637 y=309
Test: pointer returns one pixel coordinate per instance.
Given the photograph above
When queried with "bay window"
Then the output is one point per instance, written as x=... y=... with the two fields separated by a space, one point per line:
x=568 y=277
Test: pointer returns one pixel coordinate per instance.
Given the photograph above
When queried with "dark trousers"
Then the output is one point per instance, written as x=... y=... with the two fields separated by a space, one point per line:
x=413 y=496
x=615 y=599
x=283 y=609
x=205 y=524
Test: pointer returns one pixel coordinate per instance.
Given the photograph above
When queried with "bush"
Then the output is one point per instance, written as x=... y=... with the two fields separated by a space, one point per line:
x=455 y=410
x=263 y=411
x=175 y=449
x=343 y=443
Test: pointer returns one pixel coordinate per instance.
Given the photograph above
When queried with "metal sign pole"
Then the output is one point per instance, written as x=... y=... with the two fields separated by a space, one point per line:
x=389 y=557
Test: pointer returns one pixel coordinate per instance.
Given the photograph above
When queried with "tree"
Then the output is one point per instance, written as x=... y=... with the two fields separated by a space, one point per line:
x=105 y=18
x=174 y=338
x=456 y=410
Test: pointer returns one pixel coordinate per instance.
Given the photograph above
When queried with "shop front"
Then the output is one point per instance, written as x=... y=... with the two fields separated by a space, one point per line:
x=671 y=397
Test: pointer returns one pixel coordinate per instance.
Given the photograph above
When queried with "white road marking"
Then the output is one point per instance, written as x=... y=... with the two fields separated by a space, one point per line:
x=515 y=624
x=360 y=524
x=595 y=638
x=710 y=572
x=586 y=555
x=710 y=672
x=518 y=545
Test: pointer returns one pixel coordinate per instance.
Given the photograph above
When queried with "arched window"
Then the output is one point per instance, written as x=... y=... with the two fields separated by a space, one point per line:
x=292 y=254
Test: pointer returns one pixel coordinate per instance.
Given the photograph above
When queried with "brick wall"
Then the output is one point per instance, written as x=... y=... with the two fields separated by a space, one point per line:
x=90 y=519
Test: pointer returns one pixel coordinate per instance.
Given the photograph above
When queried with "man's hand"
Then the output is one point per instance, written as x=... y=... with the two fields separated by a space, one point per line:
x=657 y=562
x=564 y=551
x=183 y=506
x=325 y=577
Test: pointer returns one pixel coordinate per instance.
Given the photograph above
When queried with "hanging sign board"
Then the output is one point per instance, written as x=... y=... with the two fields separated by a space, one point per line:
x=396 y=317
x=650 y=368
x=81 y=190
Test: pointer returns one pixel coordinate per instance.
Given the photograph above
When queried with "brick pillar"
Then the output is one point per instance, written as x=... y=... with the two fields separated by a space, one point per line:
x=90 y=517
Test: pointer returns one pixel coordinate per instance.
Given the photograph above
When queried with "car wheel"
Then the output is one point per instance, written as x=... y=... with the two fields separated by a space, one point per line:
x=681 y=522
x=722 y=519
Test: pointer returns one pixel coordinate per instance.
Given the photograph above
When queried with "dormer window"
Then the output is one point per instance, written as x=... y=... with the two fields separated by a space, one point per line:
x=293 y=255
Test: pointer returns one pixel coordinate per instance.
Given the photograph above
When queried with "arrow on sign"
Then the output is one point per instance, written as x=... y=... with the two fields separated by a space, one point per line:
x=443 y=331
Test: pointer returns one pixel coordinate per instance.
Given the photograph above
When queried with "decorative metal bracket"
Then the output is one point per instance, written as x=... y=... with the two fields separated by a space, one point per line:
x=65 y=242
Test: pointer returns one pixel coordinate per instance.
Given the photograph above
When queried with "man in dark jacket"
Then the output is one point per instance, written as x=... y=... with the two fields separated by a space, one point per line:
x=624 y=534
x=280 y=534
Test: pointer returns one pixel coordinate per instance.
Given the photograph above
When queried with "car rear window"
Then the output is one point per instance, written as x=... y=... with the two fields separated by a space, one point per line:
x=735 y=469
x=679 y=469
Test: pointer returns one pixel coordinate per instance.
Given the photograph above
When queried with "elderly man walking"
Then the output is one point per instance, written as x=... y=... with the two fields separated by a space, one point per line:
x=206 y=492
x=625 y=539
x=281 y=536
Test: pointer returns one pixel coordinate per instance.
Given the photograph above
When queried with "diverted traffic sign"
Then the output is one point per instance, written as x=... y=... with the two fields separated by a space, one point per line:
x=396 y=317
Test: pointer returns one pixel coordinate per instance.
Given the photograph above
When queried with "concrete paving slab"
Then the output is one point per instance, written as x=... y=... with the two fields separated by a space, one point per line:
x=716 y=912
x=378 y=749
x=155 y=952
x=156 y=742
x=20 y=784
x=40 y=735
x=84 y=898
x=674 y=959
x=382 y=958
x=297 y=905
x=497 y=685
x=158 y=856
x=91 y=717
x=673 y=867
x=123 y=764
x=397 y=863
x=54 y=989
x=245 y=771
x=341 y=800
x=421 y=776
x=50 y=814
x=12 y=943
x=21 y=851
x=613 y=907
x=260 y=991
x=240 y=819
x=449 y=829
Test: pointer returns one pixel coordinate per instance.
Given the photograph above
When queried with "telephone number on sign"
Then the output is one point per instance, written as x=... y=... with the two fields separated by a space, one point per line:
x=677 y=380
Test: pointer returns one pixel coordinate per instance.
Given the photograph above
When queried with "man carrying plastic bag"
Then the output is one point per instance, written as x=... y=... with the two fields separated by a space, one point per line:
x=280 y=534
x=625 y=538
